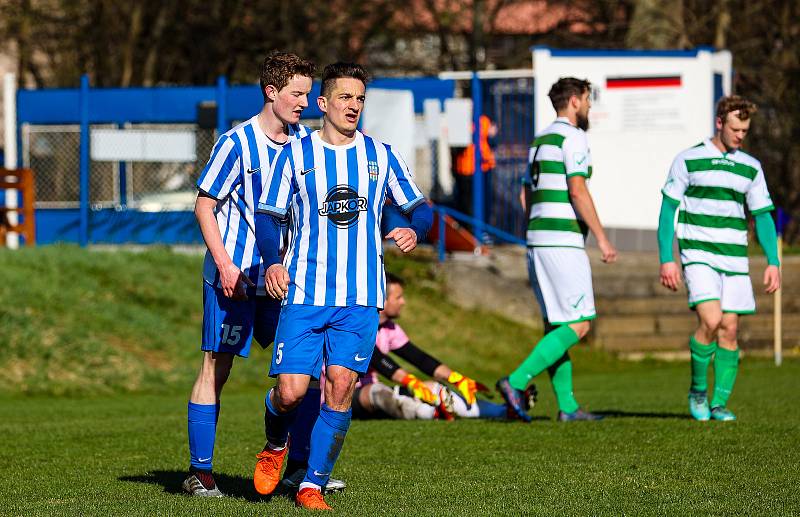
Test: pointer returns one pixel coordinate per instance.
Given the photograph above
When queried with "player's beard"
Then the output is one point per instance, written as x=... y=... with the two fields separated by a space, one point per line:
x=582 y=121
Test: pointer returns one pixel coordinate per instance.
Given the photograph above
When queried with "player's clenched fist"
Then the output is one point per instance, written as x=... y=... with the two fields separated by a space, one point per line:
x=404 y=238
x=466 y=386
x=419 y=389
x=670 y=275
x=277 y=281
x=233 y=282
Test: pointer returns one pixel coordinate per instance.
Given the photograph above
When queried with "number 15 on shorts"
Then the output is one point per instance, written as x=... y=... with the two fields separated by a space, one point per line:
x=231 y=334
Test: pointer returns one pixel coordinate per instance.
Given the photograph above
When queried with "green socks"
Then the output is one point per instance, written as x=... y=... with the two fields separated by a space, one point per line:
x=561 y=378
x=726 y=365
x=701 y=358
x=546 y=352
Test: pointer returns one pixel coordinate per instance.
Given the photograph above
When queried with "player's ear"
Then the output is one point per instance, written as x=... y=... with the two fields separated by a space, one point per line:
x=718 y=123
x=271 y=91
x=322 y=102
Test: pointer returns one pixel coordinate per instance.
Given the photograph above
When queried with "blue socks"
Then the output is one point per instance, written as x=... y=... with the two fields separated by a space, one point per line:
x=202 y=432
x=327 y=440
x=488 y=409
x=276 y=425
x=300 y=430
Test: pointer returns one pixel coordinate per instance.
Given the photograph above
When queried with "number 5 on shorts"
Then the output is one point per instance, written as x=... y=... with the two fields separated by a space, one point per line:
x=278 y=353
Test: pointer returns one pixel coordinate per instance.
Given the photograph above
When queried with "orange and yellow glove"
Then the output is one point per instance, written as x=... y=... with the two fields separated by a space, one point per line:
x=419 y=389
x=466 y=386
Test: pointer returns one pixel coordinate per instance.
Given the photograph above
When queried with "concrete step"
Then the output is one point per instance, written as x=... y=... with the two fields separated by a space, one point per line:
x=677 y=304
x=653 y=343
x=671 y=324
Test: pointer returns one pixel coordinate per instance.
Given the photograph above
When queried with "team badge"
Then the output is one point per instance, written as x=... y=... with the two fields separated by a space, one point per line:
x=372 y=167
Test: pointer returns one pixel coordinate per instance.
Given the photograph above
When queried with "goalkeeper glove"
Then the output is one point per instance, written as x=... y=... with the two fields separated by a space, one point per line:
x=466 y=386
x=419 y=389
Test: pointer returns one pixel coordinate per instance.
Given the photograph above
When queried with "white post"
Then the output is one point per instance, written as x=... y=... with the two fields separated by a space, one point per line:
x=778 y=313
x=10 y=127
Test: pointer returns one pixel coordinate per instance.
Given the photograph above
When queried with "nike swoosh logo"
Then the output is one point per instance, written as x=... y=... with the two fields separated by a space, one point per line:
x=581 y=160
x=579 y=301
x=203 y=460
x=303 y=173
x=253 y=171
x=316 y=473
x=359 y=358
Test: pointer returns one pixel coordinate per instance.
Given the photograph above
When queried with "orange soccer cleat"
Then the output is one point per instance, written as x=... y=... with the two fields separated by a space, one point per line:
x=268 y=470
x=311 y=499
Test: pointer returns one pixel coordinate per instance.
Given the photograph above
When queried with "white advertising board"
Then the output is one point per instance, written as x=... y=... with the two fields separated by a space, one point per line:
x=646 y=107
x=133 y=145
x=389 y=117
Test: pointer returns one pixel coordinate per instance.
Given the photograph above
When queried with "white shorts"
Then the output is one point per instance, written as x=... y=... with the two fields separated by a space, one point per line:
x=561 y=279
x=735 y=292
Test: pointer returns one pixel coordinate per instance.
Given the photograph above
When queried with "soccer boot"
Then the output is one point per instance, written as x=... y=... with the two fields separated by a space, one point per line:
x=578 y=415
x=311 y=499
x=445 y=410
x=514 y=398
x=722 y=414
x=531 y=395
x=290 y=484
x=201 y=484
x=698 y=405
x=268 y=470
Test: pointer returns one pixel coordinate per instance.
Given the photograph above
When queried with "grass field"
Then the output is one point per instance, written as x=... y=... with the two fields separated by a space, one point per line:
x=97 y=352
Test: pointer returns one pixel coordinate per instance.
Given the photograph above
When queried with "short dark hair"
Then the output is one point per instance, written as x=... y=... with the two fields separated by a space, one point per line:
x=279 y=67
x=566 y=87
x=394 y=279
x=341 y=69
x=732 y=103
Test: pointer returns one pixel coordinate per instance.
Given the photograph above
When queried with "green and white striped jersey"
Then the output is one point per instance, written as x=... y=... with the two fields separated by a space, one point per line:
x=712 y=188
x=558 y=152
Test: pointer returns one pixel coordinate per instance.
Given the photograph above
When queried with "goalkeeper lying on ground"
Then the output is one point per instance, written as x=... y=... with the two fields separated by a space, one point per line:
x=417 y=398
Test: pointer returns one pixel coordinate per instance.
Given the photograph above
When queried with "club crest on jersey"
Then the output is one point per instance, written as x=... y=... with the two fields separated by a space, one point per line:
x=343 y=205
x=372 y=167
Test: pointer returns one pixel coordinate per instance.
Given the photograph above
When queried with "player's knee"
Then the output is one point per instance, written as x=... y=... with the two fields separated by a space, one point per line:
x=288 y=396
x=339 y=388
x=581 y=328
x=710 y=324
x=728 y=330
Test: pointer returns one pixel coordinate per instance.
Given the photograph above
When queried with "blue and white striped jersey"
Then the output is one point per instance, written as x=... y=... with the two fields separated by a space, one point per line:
x=235 y=175
x=336 y=195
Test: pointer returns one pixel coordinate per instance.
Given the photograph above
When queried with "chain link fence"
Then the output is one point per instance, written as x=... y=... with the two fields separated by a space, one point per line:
x=53 y=152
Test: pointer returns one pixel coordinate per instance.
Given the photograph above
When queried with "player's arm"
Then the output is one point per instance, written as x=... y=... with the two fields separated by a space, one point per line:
x=271 y=212
x=406 y=195
x=669 y=272
x=768 y=239
x=440 y=371
x=577 y=162
x=387 y=367
x=582 y=202
x=760 y=205
x=216 y=181
x=673 y=191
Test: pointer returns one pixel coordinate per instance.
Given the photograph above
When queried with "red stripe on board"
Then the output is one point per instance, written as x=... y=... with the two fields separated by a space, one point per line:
x=642 y=82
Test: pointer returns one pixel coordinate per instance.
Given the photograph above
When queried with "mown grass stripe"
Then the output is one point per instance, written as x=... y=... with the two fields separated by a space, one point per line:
x=712 y=221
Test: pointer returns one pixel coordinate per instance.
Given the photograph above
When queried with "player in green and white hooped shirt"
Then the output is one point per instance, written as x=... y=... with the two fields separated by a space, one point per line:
x=711 y=182
x=562 y=211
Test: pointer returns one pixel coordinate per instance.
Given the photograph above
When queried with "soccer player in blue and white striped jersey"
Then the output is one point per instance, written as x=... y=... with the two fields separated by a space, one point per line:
x=332 y=184
x=235 y=305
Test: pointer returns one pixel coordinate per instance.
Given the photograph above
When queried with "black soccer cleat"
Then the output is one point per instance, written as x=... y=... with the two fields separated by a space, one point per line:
x=516 y=399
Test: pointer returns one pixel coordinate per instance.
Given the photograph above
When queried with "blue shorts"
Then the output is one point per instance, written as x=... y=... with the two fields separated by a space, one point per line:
x=230 y=325
x=308 y=335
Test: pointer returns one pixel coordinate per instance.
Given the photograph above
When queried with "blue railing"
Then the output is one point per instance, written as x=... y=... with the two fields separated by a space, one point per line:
x=496 y=233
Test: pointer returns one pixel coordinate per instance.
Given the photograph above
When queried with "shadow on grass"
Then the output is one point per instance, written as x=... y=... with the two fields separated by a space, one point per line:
x=171 y=480
x=616 y=413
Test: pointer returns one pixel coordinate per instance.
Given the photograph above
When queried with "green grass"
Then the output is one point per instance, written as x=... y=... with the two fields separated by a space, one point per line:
x=98 y=351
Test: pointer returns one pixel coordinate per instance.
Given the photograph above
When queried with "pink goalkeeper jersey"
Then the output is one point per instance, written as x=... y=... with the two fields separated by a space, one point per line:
x=390 y=337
